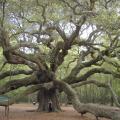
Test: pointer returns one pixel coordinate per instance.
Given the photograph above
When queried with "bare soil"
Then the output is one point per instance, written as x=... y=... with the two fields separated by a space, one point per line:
x=23 y=112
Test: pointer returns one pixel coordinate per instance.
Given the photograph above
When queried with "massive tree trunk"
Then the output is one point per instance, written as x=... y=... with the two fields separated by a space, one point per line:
x=48 y=100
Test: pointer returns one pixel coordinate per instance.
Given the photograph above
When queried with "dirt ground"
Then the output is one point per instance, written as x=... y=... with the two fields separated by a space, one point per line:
x=23 y=112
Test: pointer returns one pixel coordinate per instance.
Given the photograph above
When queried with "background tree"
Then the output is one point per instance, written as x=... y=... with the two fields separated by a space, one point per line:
x=51 y=38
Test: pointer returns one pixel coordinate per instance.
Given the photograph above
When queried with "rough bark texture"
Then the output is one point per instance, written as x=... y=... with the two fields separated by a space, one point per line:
x=46 y=70
x=47 y=97
x=98 y=110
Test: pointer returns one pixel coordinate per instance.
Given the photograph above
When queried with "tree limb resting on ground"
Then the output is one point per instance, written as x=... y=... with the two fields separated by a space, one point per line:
x=97 y=110
x=99 y=84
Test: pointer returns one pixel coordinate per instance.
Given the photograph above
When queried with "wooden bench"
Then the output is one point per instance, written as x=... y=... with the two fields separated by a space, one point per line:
x=4 y=101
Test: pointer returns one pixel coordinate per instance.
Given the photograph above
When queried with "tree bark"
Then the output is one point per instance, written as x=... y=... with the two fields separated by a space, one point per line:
x=45 y=98
x=95 y=109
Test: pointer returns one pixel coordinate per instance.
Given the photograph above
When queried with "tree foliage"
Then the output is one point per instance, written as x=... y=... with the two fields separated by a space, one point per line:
x=63 y=41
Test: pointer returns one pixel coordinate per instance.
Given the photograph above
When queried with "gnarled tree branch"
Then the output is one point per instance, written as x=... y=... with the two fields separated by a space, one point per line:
x=13 y=73
x=14 y=84
x=97 y=110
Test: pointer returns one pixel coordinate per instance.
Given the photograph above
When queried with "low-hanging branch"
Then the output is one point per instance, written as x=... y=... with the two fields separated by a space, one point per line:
x=15 y=84
x=95 y=109
x=99 y=84
x=115 y=97
x=30 y=90
x=13 y=73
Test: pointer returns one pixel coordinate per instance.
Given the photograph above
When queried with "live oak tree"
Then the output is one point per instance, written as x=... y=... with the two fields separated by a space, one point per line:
x=49 y=36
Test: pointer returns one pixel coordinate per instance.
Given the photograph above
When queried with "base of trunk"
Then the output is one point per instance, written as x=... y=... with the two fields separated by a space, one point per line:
x=48 y=101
